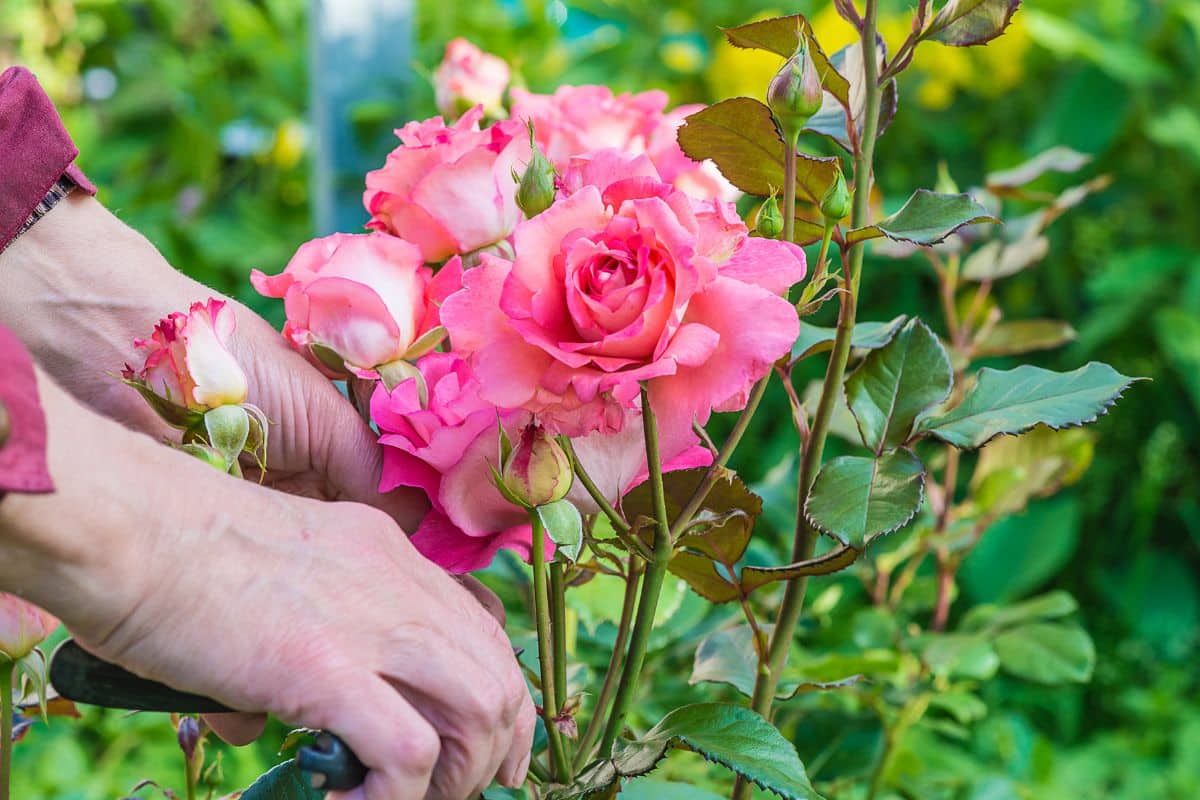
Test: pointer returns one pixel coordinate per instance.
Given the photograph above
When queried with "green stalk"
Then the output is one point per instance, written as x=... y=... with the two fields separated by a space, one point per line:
x=789 y=184
x=541 y=613
x=558 y=629
x=6 y=715
x=190 y=770
x=656 y=571
x=615 y=662
x=806 y=535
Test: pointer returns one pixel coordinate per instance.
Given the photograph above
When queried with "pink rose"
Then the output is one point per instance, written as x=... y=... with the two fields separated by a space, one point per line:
x=444 y=447
x=22 y=627
x=624 y=283
x=368 y=298
x=579 y=119
x=469 y=77
x=449 y=189
x=447 y=447
x=188 y=360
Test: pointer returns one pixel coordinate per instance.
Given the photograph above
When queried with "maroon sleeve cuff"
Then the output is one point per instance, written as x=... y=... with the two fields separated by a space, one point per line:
x=23 y=449
x=35 y=150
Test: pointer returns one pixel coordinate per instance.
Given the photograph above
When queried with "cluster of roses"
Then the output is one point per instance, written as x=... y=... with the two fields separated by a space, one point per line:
x=532 y=274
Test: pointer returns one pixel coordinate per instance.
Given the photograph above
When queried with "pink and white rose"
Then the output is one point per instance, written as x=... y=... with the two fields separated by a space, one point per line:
x=368 y=298
x=580 y=119
x=449 y=189
x=624 y=282
x=188 y=360
x=23 y=626
x=469 y=77
x=448 y=446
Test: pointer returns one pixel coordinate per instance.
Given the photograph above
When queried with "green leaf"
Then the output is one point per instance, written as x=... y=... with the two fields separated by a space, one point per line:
x=740 y=137
x=1012 y=470
x=1024 y=336
x=998 y=259
x=957 y=655
x=733 y=736
x=925 y=218
x=867 y=336
x=1047 y=606
x=781 y=35
x=283 y=782
x=564 y=526
x=1056 y=159
x=1015 y=400
x=963 y=23
x=965 y=707
x=228 y=431
x=175 y=415
x=858 y=499
x=895 y=383
x=752 y=578
x=1047 y=652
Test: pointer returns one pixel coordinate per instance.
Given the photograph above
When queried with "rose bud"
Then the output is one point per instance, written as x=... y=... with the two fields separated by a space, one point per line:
x=357 y=303
x=468 y=77
x=795 y=92
x=835 y=205
x=188 y=735
x=537 y=472
x=188 y=365
x=22 y=627
x=769 y=223
x=535 y=189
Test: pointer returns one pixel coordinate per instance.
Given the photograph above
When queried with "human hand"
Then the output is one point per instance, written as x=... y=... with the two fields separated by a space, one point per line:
x=321 y=613
x=81 y=285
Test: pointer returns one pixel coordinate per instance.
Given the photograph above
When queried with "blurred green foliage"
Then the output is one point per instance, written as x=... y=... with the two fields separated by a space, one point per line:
x=190 y=116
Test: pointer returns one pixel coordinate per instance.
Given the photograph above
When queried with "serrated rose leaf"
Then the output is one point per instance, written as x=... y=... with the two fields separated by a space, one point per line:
x=925 y=218
x=1024 y=336
x=1013 y=401
x=895 y=383
x=1047 y=652
x=740 y=137
x=283 y=782
x=963 y=23
x=857 y=499
x=830 y=119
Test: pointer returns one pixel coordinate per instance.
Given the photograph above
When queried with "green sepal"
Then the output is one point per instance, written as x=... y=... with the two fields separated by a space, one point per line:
x=228 y=429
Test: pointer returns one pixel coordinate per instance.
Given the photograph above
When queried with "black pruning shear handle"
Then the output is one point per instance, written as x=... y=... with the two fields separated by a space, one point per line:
x=78 y=675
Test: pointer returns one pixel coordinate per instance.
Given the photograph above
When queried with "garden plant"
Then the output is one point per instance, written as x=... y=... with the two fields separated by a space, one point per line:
x=562 y=323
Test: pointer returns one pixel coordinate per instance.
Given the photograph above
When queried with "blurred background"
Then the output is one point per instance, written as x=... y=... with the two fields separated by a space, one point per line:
x=194 y=120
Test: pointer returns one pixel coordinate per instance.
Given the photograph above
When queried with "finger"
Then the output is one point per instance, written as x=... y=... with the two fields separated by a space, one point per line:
x=237 y=729
x=516 y=761
x=397 y=744
x=486 y=597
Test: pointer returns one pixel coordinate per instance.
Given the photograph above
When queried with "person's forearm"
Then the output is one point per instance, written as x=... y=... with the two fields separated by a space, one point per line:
x=74 y=552
x=79 y=286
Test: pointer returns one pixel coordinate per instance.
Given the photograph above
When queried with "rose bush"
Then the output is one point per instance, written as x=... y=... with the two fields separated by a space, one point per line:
x=364 y=298
x=449 y=189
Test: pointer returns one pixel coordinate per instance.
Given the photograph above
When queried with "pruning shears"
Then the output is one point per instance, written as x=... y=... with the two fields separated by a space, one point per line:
x=80 y=676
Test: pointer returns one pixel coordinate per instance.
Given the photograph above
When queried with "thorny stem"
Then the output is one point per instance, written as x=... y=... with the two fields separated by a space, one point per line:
x=806 y=535
x=656 y=571
x=6 y=727
x=541 y=613
x=615 y=661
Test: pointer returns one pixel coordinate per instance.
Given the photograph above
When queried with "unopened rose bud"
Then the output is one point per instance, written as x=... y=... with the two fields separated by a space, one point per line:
x=188 y=734
x=770 y=221
x=22 y=627
x=835 y=205
x=795 y=92
x=536 y=190
x=537 y=471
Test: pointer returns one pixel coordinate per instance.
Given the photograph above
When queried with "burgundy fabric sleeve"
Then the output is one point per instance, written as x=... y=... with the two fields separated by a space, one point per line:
x=23 y=449
x=35 y=150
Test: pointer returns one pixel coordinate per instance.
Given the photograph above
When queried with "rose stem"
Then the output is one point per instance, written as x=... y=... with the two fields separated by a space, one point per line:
x=656 y=570
x=541 y=612
x=558 y=629
x=6 y=715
